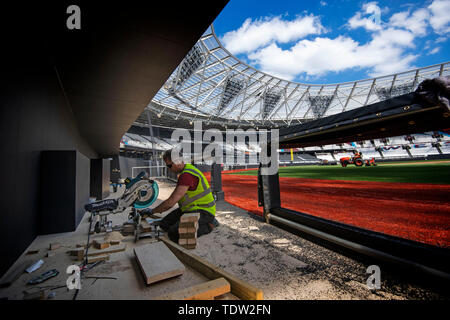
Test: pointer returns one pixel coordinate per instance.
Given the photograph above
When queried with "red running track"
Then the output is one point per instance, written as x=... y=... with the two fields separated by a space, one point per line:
x=419 y=212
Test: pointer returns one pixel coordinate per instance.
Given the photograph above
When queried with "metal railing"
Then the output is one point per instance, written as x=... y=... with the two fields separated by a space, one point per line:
x=154 y=172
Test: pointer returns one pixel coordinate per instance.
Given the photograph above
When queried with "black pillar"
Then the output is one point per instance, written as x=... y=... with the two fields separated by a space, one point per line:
x=268 y=192
x=216 y=181
x=100 y=178
x=65 y=179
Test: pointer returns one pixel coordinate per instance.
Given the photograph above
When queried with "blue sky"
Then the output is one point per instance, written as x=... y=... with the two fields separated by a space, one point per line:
x=336 y=41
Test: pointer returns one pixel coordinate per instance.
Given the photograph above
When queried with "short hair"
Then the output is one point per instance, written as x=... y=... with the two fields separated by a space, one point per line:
x=167 y=155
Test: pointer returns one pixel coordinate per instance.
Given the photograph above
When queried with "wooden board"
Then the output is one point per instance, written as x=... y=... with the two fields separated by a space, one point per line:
x=189 y=246
x=145 y=226
x=95 y=252
x=239 y=288
x=188 y=225
x=190 y=217
x=101 y=244
x=188 y=235
x=157 y=262
x=203 y=291
x=54 y=246
x=187 y=230
x=97 y=258
x=79 y=253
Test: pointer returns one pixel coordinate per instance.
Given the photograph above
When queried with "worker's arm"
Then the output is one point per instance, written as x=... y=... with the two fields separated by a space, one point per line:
x=176 y=195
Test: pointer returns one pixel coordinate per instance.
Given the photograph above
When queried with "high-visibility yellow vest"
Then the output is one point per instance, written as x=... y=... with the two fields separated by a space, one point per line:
x=199 y=199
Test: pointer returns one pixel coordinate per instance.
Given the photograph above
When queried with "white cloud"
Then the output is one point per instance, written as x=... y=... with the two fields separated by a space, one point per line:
x=440 y=16
x=441 y=39
x=434 y=51
x=323 y=3
x=256 y=34
x=416 y=22
x=383 y=54
x=369 y=23
x=390 y=48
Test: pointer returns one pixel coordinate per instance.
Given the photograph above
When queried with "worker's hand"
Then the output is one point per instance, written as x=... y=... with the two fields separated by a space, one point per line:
x=146 y=212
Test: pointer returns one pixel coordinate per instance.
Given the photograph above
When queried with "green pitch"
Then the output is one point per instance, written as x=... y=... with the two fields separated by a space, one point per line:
x=423 y=172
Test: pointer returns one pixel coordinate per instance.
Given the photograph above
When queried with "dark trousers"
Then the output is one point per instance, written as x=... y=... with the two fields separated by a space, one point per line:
x=171 y=222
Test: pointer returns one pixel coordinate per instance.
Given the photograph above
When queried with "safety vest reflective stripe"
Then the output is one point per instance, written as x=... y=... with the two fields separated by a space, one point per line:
x=207 y=190
x=207 y=205
x=188 y=200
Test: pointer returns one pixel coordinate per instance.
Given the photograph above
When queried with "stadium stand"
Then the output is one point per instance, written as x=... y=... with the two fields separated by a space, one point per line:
x=325 y=156
x=423 y=150
x=394 y=152
x=445 y=147
x=422 y=145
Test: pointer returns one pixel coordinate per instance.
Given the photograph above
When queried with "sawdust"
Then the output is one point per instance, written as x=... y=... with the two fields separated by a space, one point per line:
x=112 y=267
x=114 y=236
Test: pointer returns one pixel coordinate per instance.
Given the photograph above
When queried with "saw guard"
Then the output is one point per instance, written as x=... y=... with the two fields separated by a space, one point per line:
x=149 y=202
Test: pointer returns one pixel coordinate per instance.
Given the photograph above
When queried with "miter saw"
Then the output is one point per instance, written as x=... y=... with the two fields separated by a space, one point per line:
x=139 y=194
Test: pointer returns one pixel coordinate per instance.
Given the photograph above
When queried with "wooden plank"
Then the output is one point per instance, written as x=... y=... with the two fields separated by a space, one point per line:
x=145 y=226
x=192 y=241
x=203 y=291
x=190 y=217
x=54 y=246
x=96 y=252
x=189 y=246
x=14 y=274
x=239 y=288
x=97 y=258
x=188 y=235
x=79 y=253
x=188 y=225
x=187 y=230
x=100 y=244
x=157 y=262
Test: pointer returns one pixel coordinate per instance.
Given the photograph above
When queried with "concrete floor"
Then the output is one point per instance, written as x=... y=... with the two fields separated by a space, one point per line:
x=283 y=265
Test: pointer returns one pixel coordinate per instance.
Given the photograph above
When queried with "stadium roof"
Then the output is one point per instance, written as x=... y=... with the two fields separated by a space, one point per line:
x=217 y=88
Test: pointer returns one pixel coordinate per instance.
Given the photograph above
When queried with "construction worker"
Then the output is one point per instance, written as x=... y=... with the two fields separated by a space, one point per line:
x=193 y=194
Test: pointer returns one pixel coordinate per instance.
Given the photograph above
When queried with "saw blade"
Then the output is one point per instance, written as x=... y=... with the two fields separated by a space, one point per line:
x=150 y=196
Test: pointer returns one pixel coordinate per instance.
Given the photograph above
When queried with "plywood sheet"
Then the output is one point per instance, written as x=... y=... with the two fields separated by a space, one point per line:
x=157 y=262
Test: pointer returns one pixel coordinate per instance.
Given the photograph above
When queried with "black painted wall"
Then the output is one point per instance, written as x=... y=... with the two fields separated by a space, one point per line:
x=34 y=116
x=64 y=190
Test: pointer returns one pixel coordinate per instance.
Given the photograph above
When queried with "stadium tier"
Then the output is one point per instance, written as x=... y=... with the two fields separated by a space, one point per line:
x=422 y=145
